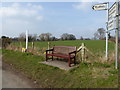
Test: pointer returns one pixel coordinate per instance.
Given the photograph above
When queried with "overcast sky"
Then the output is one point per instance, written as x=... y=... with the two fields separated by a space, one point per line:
x=57 y=18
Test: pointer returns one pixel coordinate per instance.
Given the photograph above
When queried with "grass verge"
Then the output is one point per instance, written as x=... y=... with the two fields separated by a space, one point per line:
x=87 y=75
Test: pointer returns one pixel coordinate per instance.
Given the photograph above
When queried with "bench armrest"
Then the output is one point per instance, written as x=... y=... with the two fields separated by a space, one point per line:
x=74 y=52
x=49 y=50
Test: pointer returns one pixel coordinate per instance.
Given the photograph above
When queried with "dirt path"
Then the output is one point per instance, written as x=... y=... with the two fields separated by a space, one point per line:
x=13 y=79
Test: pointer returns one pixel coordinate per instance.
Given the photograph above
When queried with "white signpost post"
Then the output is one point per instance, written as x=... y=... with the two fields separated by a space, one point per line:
x=26 y=39
x=103 y=6
x=117 y=33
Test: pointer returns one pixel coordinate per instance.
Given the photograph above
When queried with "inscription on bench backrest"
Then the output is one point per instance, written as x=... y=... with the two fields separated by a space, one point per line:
x=63 y=49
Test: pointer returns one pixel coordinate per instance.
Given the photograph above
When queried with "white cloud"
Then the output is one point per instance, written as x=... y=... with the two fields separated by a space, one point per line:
x=37 y=7
x=39 y=18
x=17 y=17
x=29 y=4
x=29 y=13
x=81 y=6
x=13 y=27
x=90 y=0
x=58 y=0
x=5 y=11
x=16 y=10
x=15 y=5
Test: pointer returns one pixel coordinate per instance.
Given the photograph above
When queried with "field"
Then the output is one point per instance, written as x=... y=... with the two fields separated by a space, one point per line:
x=95 y=46
x=86 y=75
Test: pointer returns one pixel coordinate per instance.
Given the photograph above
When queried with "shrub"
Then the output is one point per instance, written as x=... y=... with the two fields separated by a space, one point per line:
x=5 y=41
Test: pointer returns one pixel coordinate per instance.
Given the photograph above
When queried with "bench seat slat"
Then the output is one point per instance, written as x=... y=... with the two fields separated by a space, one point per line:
x=60 y=55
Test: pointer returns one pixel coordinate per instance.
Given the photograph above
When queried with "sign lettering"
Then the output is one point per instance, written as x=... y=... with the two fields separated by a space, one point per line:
x=102 y=6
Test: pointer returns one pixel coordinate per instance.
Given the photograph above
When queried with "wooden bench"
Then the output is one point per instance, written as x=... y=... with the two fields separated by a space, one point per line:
x=63 y=52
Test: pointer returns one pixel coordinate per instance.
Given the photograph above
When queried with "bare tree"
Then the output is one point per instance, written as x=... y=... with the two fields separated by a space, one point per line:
x=95 y=36
x=22 y=37
x=34 y=37
x=66 y=36
x=45 y=36
x=81 y=38
x=109 y=36
x=53 y=38
x=71 y=37
x=42 y=37
x=100 y=34
x=48 y=36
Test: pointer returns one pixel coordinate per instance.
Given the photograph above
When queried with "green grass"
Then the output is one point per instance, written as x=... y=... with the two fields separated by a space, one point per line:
x=97 y=47
x=87 y=75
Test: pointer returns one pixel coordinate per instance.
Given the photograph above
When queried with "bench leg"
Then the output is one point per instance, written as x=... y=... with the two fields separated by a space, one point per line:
x=69 y=62
x=46 y=57
x=52 y=58
x=74 y=60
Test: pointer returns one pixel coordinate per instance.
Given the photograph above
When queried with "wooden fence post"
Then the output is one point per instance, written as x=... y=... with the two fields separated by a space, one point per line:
x=32 y=45
x=48 y=46
x=20 y=44
x=83 y=52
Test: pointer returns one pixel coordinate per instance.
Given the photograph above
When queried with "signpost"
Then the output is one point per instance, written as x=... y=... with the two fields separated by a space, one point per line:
x=117 y=33
x=113 y=15
x=111 y=24
x=107 y=31
x=102 y=6
x=112 y=11
x=26 y=39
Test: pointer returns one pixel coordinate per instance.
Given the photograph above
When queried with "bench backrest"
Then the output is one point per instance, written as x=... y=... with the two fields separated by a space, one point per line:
x=63 y=49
